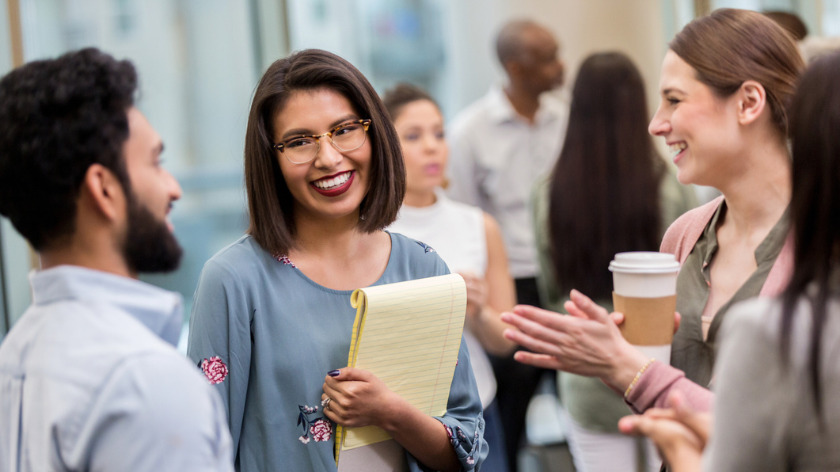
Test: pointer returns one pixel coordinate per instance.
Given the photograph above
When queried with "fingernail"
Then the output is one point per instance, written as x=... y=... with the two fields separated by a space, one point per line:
x=334 y=373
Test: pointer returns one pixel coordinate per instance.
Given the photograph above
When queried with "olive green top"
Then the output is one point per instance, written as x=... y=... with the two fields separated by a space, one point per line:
x=690 y=352
x=589 y=401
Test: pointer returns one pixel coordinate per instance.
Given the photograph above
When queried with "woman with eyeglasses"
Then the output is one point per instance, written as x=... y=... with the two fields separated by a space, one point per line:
x=272 y=320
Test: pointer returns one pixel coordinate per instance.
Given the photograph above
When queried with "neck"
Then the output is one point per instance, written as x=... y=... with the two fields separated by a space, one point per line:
x=525 y=103
x=335 y=237
x=90 y=255
x=757 y=197
x=420 y=199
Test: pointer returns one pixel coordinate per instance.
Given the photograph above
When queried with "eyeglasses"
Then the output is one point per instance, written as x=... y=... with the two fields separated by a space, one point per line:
x=346 y=137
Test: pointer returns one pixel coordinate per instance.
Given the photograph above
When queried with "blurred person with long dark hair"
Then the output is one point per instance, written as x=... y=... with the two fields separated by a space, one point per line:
x=609 y=192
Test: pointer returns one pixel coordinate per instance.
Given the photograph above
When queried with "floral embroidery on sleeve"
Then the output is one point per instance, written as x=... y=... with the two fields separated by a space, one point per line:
x=318 y=428
x=426 y=248
x=214 y=369
x=458 y=440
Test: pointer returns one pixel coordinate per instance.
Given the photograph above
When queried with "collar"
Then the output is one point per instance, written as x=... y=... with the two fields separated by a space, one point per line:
x=767 y=250
x=157 y=309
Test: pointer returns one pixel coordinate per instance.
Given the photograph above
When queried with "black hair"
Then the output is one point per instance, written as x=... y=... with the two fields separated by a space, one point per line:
x=57 y=118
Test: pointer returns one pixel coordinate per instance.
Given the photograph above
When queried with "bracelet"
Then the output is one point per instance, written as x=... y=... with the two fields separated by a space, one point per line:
x=638 y=376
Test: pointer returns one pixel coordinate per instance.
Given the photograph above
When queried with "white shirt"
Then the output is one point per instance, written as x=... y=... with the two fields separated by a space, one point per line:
x=90 y=380
x=495 y=159
x=456 y=232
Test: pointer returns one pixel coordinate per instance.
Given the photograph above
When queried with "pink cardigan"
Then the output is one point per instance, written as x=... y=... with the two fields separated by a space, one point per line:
x=660 y=379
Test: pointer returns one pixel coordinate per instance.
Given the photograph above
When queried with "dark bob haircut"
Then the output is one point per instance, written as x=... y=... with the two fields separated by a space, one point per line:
x=270 y=203
x=57 y=118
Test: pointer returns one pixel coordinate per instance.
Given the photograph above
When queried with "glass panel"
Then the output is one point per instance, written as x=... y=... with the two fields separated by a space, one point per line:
x=388 y=40
x=198 y=64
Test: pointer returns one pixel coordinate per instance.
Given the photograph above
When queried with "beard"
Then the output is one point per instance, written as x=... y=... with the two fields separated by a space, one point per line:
x=149 y=245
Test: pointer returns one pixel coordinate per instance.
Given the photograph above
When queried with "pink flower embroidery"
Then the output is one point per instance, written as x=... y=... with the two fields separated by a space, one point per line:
x=320 y=430
x=214 y=369
x=285 y=260
x=304 y=439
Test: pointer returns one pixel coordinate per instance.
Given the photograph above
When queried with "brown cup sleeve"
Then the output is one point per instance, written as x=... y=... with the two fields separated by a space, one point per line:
x=647 y=321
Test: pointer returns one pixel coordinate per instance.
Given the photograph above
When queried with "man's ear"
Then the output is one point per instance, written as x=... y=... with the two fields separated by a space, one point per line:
x=104 y=191
x=752 y=100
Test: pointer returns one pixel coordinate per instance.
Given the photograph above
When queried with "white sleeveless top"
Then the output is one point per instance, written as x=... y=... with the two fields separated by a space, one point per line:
x=456 y=232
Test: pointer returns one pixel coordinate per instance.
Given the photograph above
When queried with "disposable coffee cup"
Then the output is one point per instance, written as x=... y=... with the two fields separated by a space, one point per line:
x=644 y=289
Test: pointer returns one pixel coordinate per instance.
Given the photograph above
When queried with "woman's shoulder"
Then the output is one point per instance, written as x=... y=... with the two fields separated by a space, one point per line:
x=459 y=209
x=761 y=317
x=410 y=255
x=752 y=317
x=684 y=232
x=242 y=257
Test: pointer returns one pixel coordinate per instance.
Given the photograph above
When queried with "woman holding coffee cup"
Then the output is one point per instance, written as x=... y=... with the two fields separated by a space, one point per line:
x=725 y=83
x=794 y=426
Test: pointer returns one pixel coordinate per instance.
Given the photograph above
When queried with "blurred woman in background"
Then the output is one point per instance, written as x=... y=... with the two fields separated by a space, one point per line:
x=468 y=240
x=609 y=192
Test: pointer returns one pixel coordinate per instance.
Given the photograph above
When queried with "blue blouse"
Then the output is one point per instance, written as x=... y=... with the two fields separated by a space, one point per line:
x=266 y=335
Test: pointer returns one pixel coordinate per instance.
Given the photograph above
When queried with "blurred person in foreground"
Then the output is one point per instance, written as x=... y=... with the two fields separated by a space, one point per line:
x=89 y=376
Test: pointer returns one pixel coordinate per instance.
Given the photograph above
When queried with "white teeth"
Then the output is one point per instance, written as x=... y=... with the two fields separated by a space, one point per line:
x=327 y=184
x=677 y=148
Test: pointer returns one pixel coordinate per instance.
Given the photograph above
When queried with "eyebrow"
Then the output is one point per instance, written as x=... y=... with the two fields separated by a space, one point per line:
x=305 y=131
x=672 y=90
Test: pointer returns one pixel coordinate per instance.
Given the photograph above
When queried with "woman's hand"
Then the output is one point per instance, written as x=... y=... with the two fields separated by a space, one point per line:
x=588 y=342
x=355 y=397
x=679 y=432
x=358 y=398
x=476 y=295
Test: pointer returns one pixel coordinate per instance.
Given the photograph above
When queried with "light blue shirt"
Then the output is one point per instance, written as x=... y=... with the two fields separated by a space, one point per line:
x=90 y=380
x=277 y=333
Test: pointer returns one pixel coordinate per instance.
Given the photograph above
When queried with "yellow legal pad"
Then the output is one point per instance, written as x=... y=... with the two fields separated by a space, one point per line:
x=408 y=334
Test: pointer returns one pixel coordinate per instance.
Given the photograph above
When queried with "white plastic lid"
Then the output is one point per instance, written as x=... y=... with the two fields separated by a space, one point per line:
x=645 y=262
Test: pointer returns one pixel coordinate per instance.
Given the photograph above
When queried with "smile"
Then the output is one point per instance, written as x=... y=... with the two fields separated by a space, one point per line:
x=335 y=184
x=676 y=149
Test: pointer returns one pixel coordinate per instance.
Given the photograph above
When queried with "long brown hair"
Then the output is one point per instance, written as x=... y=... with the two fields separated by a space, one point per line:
x=604 y=189
x=270 y=203
x=815 y=205
x=730 y=46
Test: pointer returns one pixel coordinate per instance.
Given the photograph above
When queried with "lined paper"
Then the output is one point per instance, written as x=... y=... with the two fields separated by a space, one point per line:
x=408 y=334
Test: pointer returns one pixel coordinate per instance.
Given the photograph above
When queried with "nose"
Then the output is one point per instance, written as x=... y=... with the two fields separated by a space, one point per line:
x=174 y=187
x=431 y=142
x=327 y=155
x=659 y=126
